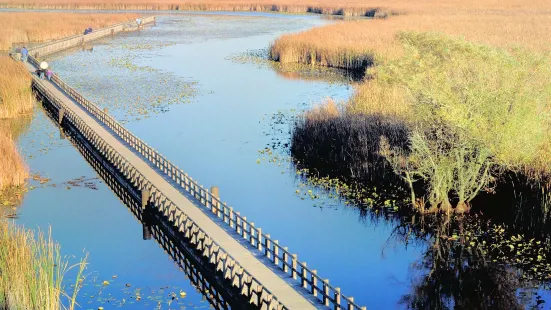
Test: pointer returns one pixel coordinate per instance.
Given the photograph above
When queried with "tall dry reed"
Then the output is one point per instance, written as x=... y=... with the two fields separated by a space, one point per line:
x=16 y=97
x=344 y=7
x=347 y=8
x=13 y=170
x=32 y=270
x=358 y=44
x=26 y=27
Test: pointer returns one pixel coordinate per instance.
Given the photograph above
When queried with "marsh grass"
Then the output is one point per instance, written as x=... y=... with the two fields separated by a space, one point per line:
x=359 y=44
x=13 y=170
x=32 y=27
x=32 y=270
x=348 y=8
x=16 y=97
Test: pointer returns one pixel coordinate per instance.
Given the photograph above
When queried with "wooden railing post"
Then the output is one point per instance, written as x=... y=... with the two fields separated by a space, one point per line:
x=146 y=232
x=145 y=198
x=337 y=298
x=350 y=301
x=251 y=233
x=60 y=116
x=268 y=246
x=303 y=275
x=276 y=252
x=285 y=259
x=294 y=266
x=244 y=230
x=326 y=292
x=314 y=281
x=214 y=191
x=259 y=239
x=238 y=223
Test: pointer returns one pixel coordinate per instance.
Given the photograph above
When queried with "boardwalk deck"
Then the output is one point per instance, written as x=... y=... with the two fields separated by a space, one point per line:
x=284 y=291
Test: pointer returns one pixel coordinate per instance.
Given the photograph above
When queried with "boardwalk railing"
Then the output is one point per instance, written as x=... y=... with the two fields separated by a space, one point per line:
x=214 y=253
x=79 y=39
x=280 y=256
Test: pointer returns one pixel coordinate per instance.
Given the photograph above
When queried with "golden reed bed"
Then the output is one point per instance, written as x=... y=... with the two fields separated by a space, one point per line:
x=355 y=44
x=25 y=27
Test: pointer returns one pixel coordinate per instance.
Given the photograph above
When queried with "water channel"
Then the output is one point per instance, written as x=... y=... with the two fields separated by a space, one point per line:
x=193 y=87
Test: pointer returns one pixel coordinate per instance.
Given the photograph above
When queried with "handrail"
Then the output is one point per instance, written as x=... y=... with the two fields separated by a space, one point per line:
x=280 y=256
x=145 y=20
x=158 y=198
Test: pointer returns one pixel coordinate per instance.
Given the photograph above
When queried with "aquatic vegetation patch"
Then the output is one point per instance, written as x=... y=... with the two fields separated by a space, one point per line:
x=473 y=263
x=119 y=84
x=117 y=291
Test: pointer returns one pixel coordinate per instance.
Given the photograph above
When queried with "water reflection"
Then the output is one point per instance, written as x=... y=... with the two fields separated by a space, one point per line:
x=493 y=260
x=453 y=275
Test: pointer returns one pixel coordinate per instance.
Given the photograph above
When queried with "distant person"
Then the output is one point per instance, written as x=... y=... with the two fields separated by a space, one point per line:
x=88 y=30
x=42 y=69
x=40 y=73
x=49 y=74
x=24 y=54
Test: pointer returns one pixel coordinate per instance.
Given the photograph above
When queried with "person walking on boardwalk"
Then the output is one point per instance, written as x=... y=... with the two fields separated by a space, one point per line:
x=49 y=74
x=42 y=69
x=24 y=54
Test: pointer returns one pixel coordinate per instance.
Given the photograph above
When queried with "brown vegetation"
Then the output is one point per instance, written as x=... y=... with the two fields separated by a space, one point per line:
x=357 y=44
x=26 y=27
x=345 y=7
x=13 y=170
x=15 y=94
x=15 y=99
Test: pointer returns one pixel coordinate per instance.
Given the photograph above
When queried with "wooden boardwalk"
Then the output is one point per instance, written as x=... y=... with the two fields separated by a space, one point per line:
x=267 y=273
x=285 y=293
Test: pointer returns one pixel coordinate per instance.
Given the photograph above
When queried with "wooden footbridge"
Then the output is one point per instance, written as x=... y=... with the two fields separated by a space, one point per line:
x=266 y=273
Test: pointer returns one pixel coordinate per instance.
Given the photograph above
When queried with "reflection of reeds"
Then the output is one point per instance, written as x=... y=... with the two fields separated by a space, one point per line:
x=32 y=270
x=25 y=27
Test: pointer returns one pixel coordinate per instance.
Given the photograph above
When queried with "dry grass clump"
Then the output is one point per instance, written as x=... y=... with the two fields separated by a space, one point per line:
x=13 y=170
x=25 y=27
x=16 y=97
x=32 y=270
x=358 y=44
